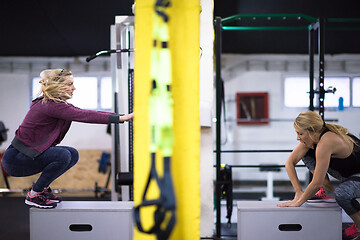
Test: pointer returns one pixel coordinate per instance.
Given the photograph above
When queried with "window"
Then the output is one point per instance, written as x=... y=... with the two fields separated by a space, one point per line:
x=86 y=95
x=90 y=93
x=106 y=93
x=35 y=87
x=356 y=92
x=342 y=85
x=296 y=91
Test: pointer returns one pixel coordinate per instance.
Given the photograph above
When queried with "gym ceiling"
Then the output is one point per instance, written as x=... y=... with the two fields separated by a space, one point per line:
x=82 y=27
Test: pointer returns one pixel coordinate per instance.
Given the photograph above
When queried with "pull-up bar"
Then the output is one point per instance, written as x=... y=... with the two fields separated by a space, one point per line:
x=342 y=20
x=285 y=17
x=307 y=18
x=270 y=28
x=309 y=22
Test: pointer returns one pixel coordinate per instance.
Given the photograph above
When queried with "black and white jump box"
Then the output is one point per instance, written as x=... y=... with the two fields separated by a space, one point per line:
x=83 y=220
x=259 y=220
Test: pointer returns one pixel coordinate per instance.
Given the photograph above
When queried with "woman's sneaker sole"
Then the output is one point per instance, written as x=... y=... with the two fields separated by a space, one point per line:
x=324 y=200
x=30 y=203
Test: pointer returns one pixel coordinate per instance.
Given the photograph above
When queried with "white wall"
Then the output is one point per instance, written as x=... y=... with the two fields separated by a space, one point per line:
x=206 y=102
x=265 y=73
x=15 y=100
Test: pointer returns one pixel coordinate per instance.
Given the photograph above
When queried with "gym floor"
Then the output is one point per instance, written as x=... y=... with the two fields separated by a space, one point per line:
x=14 y=220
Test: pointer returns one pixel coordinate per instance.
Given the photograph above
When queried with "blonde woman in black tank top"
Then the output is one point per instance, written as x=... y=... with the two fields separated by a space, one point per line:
x=327 y=148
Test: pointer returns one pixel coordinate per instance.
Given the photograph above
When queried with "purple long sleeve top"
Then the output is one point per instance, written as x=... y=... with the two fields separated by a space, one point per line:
x=46 y=124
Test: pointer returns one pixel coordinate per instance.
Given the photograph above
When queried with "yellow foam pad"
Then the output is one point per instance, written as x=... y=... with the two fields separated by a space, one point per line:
x=184 y=45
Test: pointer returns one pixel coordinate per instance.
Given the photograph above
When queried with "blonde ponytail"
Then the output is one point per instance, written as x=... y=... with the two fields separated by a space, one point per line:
x=312 y=122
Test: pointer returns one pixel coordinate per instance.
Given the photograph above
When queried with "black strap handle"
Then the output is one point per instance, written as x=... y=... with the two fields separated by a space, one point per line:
x=164 y=204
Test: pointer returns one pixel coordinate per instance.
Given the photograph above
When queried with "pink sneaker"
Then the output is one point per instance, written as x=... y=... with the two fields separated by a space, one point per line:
x=321 y=197
x=39 y=200
x=49 y=194
x=350 y=233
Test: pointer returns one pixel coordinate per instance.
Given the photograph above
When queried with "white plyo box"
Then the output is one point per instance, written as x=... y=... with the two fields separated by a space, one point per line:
x=83 y=220
x=258 y=220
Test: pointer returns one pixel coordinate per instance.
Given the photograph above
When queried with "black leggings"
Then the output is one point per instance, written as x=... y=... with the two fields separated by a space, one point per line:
x=52 y=163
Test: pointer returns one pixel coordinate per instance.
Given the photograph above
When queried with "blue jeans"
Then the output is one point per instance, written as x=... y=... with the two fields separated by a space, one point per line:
x=52 y=163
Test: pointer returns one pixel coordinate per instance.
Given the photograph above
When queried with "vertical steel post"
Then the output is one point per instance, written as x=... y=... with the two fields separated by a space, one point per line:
x=321 y=50
x=130 y=107
x=218 y=50
x=116 y=143
x=312 y=45
x=131 y=126
x=311 y=66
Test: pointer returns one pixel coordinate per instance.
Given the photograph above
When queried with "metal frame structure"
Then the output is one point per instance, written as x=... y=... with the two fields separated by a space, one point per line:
x=314 y=26
x=122 y=67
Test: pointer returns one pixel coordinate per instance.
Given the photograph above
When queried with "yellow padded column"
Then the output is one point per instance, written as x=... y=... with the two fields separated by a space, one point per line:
x=184 y=44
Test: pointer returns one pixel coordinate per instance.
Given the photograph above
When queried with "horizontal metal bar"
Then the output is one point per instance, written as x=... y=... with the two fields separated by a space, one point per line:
x=269 y=28
x=269 y=16
x=271 y=120
x=260 y=166
x=288 y=28
x=253 y=151
x=343 y=19
x=345 y=28
x=8 y=190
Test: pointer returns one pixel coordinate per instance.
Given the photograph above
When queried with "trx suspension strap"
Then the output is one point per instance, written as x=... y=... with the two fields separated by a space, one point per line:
x=161 y=126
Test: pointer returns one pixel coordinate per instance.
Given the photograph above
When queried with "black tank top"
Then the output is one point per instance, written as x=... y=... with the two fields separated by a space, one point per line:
x=346 y=166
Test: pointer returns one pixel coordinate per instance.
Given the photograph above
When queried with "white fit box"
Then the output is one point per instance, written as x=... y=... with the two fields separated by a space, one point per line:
x=83 y=220
x=258 y=220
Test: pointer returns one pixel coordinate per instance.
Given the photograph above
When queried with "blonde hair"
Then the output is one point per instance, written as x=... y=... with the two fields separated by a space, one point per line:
x=312 y=122
x=52 y=84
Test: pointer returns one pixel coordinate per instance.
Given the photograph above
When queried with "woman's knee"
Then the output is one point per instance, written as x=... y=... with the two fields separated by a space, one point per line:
x=64 y=158
x=346 y=200
x=74 y=155
x=340 y=195
x=345 y=192
x=74 y=159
